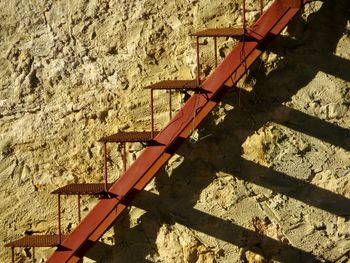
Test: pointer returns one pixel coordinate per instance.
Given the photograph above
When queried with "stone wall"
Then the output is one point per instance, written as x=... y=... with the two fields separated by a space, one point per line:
x=265 y=178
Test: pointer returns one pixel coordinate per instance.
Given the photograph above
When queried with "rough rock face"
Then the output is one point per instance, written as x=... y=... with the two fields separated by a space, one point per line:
x=265 y=178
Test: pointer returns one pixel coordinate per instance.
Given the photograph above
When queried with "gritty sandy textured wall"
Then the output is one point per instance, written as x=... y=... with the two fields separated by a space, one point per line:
x=269 y=181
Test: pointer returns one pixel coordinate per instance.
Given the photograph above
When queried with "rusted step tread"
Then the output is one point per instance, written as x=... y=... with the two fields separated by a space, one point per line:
x=129 y=137
x=36 y=241
x=220 y=32
x=82 y=189
x=174 y=84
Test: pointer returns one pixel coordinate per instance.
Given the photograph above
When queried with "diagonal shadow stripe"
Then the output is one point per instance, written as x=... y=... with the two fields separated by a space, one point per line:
x=315 y=127
x=330 y=64
x=101 y=248
x=295 y=188
x=226 y=231
x=304 y=123
x=321 y=61
x=340 y=66
x=238 y=235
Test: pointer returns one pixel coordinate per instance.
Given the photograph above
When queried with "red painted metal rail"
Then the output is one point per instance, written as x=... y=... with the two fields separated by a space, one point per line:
x=138 y=175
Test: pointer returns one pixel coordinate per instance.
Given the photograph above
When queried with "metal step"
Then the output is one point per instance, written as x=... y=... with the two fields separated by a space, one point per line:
x=36 y=241
x=174 y=85
x=235 y=32
x=170 y=86
x=83 y=189
x=129 y=137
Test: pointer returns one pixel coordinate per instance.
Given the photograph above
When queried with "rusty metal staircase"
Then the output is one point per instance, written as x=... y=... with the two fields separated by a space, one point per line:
x=160 y=146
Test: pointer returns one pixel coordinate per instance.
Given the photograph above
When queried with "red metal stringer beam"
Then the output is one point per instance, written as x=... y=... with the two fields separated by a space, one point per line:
x=138 y=175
